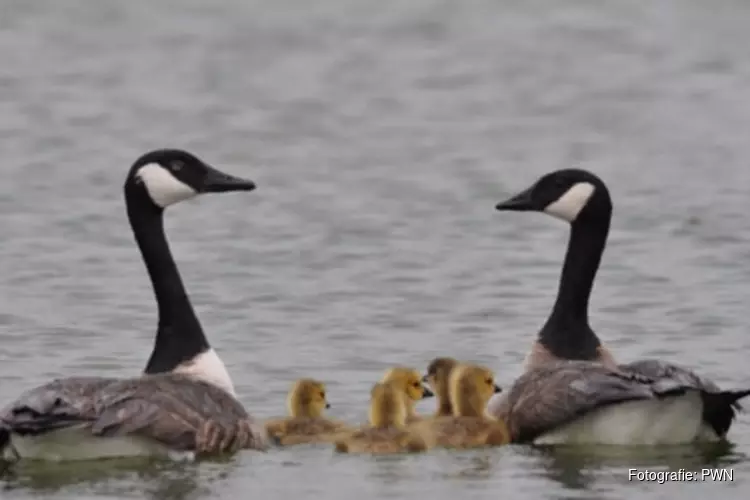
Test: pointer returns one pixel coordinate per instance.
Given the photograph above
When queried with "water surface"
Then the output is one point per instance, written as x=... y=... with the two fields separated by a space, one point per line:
x=381 y=135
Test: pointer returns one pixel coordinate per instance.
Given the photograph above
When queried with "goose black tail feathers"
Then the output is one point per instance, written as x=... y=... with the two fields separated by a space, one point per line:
x=5 y=463
x=4 y=439
x=720 y=408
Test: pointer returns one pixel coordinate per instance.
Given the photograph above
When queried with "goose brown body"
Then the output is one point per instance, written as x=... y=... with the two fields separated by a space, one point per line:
x=164 y=413
x=573 y=391
x=185 y=399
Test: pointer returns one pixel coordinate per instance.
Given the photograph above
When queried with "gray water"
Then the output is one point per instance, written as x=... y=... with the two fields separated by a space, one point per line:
x=381 y=134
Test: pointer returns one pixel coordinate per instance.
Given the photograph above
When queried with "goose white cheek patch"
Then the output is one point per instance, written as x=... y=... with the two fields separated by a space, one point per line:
x=569 y=205
x=164 y=188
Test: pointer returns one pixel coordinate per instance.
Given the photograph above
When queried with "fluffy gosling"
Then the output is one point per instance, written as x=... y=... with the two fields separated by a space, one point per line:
x=438 y=373
x=306 y=403
x=409 y=382
x=387 y=432
x=470 y=388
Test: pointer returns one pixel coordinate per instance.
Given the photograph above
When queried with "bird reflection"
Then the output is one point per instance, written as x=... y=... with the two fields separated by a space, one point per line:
x=578 y=467
x=155 y=480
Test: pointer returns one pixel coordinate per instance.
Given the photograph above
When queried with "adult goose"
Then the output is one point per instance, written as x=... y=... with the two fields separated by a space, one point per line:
x=573 y=390
x=184 y=404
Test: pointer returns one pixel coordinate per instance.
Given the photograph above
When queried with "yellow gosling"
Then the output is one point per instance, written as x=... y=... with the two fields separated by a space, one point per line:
x=387 y=432
x=409 y=382
x=438 y=373
x=306 y=423
x=470 y=388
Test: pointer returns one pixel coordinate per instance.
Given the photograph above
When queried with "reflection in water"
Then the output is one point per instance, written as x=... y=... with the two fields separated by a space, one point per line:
x=389 y=468
x=577 y=467
x=469 y=464
x=573 y=468
x=155 y=479
x=475 y=466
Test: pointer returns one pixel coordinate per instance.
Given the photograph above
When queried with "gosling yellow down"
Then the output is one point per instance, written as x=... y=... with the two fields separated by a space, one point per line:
x=306 y=423
x=470 y=388
x=408 y=381
x=438 y=373
x=387 y=432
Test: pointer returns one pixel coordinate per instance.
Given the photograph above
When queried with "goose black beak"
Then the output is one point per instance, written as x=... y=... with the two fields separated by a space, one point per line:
x=522 y=202
x=426 y=393
x=497 y=389
x=216 y=181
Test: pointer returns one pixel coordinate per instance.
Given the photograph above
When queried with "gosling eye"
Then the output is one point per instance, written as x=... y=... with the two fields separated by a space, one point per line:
x=489 y=381
x=323 y=395
x=417 y=385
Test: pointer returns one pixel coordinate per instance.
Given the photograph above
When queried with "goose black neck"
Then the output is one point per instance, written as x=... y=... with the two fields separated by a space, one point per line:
x=567 y=332
x=179 y=336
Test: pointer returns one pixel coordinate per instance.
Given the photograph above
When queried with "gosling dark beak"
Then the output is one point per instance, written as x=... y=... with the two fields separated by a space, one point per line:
x=216 y=181
x=328 y=406
x=426 y=393
x=497 y=389
x=522 y=202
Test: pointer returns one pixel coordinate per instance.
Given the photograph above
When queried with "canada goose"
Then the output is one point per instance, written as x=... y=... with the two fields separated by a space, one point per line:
x=438 y=375
x=409 y=381
x=662 y=403
x=471 y=387
x=386 y=433
x=306 y=423
x=185 y=400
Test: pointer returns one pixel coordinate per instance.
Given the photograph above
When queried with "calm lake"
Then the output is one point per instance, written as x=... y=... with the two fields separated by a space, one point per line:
x=380 y=134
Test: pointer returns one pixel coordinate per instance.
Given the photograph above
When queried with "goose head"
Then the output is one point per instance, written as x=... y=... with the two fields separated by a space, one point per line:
x=168 y=176
x=307 y=398
x=569 y=194
x=471 y=387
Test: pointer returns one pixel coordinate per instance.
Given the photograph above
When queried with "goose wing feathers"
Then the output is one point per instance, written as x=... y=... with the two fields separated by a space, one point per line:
x=659 y=370
x=720 y=406
x=170 y=409
x=553 y=395
x=55 y=405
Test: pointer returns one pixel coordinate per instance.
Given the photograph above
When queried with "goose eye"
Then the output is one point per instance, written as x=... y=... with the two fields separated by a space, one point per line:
x=177 y=165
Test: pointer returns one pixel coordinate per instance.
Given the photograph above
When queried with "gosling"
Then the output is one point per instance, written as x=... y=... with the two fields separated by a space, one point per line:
x=470 y=388
x=305 y=424
x=410 y=383
x=387 y=432
x=438 y=374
